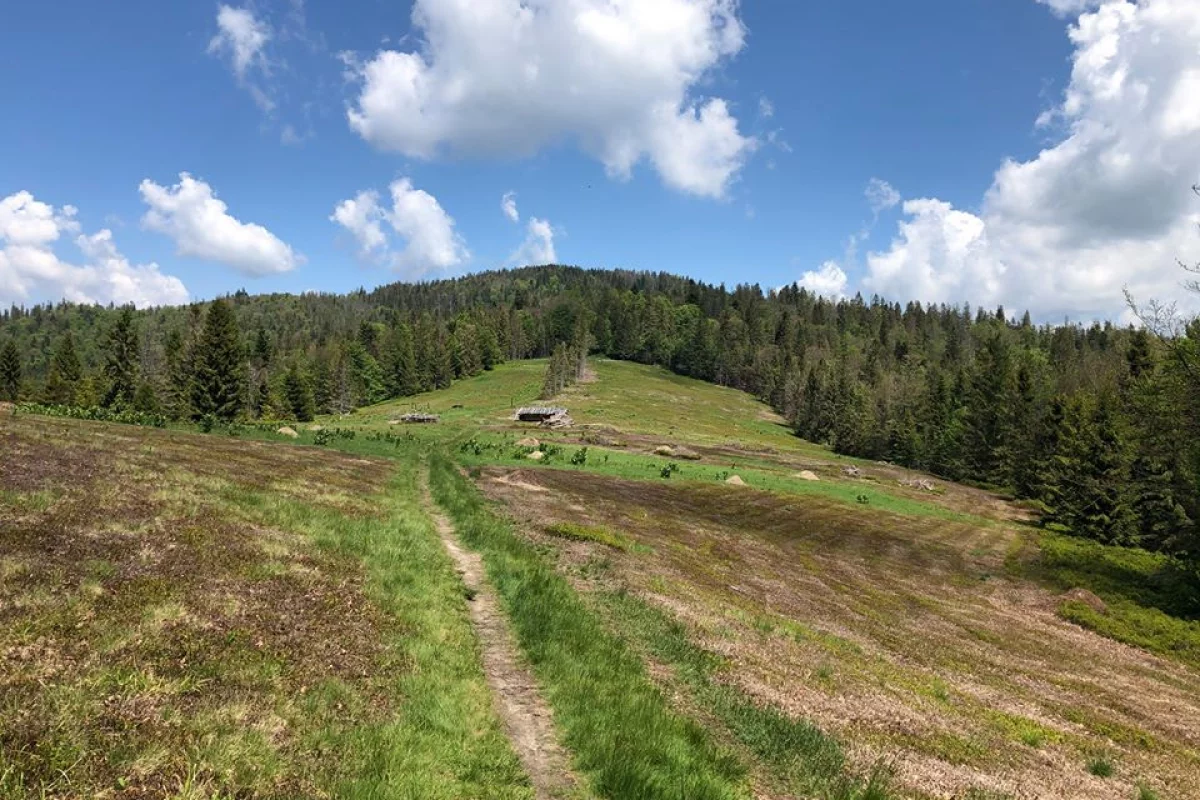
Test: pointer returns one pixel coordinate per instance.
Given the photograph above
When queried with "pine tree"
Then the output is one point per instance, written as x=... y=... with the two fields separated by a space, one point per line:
x=987 y=418
x=10 y=372
x=62 y=381
x=220 y=375
x=299 y=394
x=121 y=361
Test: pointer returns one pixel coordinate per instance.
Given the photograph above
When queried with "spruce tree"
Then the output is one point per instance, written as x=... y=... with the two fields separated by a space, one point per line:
x=299 y=394
x=62 y=381
x=121 y=361
x=10 y=372
x=220 y=375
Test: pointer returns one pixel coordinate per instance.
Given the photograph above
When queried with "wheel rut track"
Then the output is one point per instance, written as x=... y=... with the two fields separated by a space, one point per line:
x=527 y=719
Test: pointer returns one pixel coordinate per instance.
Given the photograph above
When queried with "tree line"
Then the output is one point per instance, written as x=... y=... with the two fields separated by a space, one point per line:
x=1095 y=425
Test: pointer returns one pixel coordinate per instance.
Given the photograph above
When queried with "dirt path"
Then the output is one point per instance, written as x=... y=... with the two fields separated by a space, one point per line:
x=526 y=717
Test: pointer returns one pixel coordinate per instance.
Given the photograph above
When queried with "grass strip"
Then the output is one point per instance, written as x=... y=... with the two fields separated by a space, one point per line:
x=799 y=757
x=624 y=735
x=446 y=741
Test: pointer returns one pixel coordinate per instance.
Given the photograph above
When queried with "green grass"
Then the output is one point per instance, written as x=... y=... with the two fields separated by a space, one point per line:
x=233 y=625
x=799 y=758
x=502 y=449
x=1150 y=601
x=1100 y=766
x=447 y=741
x=624 y=736
x=593 y=533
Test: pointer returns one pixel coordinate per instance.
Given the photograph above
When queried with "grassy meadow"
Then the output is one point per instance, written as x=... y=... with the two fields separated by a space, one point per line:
x=257 y=615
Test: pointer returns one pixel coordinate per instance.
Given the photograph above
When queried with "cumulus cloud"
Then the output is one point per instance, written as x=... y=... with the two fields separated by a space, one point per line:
x=1108 y=206
x=31 y=271
x=617 y=77
x=200 y=224
x=508 y=204
x=431 y=243
x=242 y=39
x=538 y=247
x=830 y=280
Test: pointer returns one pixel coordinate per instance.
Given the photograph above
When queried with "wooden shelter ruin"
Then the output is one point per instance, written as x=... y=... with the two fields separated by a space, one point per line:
x=546 y=416
x=419 y=418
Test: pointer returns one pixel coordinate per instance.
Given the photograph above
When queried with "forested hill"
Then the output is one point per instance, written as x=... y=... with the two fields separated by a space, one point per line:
x=1097 y=424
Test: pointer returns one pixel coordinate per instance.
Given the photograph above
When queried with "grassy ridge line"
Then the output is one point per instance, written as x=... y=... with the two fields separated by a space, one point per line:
x=446 y=743
x=624 y=735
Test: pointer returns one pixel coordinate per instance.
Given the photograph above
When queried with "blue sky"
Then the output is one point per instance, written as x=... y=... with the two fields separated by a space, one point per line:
x=732 y=143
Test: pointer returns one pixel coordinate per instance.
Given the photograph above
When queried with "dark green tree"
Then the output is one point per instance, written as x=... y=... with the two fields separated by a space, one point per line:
x=299 y=394
x=218 y=388
x=62 y=380
x=10 y=372
x=121 y=361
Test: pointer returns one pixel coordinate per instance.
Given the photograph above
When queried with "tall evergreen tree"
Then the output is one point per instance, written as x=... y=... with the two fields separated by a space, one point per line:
x=220 y=375
x=10 y=372
x=62 y=380
x=299 y=394
x=122 y=358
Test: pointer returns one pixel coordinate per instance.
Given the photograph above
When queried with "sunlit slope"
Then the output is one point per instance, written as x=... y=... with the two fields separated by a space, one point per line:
x=626 y=397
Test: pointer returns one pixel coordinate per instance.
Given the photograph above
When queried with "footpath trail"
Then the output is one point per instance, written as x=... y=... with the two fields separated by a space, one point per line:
x=527 y=718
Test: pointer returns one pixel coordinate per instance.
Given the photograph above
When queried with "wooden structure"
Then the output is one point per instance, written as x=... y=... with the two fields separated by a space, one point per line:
x=417 y=417
x=547 y=416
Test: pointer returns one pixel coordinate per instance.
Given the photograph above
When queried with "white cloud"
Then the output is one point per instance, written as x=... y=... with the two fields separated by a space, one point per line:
x=505 y=78
x=538 y=247
x=766 y=109
x=881 y=196
x=508 y=204
x=191 y=214
x=1108 y=206
x=242 y=38
x=830 y=280
x=415 y=216
x=30 y=270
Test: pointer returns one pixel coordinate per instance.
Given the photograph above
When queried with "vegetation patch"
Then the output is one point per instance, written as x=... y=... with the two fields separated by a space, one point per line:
x=593 y=533
x=624 y=735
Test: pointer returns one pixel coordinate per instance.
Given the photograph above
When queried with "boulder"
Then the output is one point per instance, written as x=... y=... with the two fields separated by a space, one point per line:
x=807 y=475
x=852 y=472
x=665 y=450
x=536 y=455
x=288 y=432
x=528 y=442
x=734 y=480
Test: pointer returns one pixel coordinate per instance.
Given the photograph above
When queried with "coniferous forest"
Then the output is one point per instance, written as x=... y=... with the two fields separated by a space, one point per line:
x=1096 y=426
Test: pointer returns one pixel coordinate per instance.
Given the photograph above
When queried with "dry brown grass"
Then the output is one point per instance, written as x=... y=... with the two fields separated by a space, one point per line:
x=902 y=635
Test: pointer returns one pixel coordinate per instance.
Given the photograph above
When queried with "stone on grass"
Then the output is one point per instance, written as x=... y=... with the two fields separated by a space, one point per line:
x=289 y=432
x=734 y=480
x=536 y=455
x=528 y=442
x=807 y=475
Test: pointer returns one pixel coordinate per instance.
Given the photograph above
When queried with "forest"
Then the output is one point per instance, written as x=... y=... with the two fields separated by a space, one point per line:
x=1094 y=426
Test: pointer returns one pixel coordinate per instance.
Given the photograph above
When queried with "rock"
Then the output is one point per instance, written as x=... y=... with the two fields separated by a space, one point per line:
x=289 y=432
x=807 y=475
x=1087 y=598
x=852 y=472
x=528 y=442
x=686 y=454
x=924 y=484
x=664 y=450
x=315 y=428
x=734 y=480
x=536 y=455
